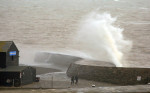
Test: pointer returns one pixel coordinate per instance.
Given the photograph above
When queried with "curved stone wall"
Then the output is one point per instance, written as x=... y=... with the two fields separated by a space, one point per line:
x=58 y=60
x=107 y=72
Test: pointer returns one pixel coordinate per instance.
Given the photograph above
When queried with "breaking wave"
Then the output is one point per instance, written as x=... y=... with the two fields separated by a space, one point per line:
x=101 y=40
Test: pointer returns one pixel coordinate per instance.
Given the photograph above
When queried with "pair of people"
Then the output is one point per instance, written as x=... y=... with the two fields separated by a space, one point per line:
x=74 y=78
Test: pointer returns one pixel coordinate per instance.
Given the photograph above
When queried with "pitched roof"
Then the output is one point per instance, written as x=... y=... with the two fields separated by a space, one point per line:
x=5 y=45
x=13 y=69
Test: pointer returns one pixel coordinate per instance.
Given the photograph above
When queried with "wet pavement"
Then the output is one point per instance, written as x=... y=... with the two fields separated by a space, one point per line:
x=61 y=80
x=58 y=82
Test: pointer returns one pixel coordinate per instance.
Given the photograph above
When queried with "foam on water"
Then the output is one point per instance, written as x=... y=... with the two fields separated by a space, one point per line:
x=101 y=40
x=116 y=0
x=98 y=39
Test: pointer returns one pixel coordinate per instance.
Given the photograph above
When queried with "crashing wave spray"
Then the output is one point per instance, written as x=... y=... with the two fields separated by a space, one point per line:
x=101 y=40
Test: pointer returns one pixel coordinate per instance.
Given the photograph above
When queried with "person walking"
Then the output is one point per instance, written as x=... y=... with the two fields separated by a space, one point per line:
x=72 y=80
x=76 y=79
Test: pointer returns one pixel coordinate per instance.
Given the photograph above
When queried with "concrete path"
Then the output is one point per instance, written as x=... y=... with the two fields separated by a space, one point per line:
x=58 y=82
x=110 y=89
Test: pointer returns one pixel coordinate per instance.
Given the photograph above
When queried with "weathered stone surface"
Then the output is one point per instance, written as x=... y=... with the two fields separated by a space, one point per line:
x=61 y=61
x=111 y=74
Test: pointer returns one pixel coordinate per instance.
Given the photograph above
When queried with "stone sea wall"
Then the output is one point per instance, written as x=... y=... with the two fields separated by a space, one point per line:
x=115 y=75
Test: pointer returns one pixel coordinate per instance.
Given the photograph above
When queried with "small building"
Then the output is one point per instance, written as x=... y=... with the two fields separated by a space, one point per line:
x=11 y=74
x=17 y=76
x=9 y=54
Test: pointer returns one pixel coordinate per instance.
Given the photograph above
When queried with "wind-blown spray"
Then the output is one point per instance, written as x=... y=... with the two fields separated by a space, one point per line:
x=101 y=40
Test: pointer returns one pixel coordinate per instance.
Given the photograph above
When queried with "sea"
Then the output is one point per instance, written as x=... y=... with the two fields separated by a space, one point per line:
x=106 y=30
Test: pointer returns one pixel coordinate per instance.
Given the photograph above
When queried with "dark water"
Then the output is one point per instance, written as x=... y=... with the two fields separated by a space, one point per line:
x=50 y=25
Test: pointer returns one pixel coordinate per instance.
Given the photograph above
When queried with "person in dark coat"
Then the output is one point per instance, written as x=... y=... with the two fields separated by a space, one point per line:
x=76 y=79
x=72 y=80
